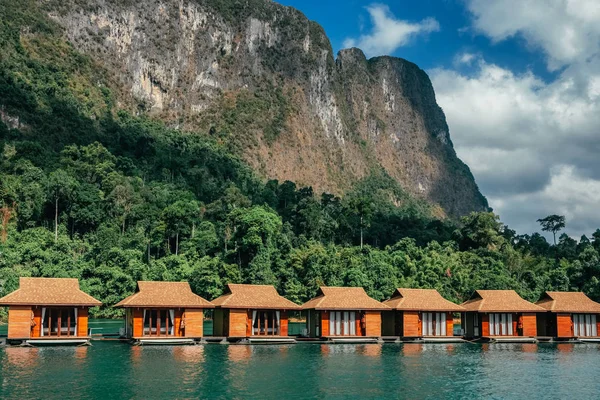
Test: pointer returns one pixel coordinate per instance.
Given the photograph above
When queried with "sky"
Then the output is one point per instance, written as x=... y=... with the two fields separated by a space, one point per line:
x=519 y=82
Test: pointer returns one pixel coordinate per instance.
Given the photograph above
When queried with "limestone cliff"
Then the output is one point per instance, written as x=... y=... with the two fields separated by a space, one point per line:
x=264 y=78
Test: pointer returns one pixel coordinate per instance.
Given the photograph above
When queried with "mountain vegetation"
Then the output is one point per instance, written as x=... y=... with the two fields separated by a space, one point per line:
x=92 y=189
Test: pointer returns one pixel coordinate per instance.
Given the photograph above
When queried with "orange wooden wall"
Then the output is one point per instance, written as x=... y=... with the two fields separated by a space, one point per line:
x=194 y=322
x=324 y=323
x=449 y=324
x=283 y=323
x=238 y=322
x=529 y=324
x=37 y=318
x=564 y=325
x=82 y=321
x=373 y=322
x=484 y=322
x=412 y=324
x=19 y=322
x=138 y=322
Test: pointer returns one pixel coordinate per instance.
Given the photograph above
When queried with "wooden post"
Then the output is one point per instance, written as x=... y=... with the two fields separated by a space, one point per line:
x=167 y=324
x=69 y=325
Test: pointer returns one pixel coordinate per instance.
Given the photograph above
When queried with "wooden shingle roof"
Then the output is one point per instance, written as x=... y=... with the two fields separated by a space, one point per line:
x=253 y=297
x=421 y=300
x=568 y=302
x=164 y=295
x=49 y=292
x=343 y=298
x=499 y=301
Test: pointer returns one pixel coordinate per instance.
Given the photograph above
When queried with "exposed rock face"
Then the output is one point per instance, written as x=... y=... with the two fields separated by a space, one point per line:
x=264 y=76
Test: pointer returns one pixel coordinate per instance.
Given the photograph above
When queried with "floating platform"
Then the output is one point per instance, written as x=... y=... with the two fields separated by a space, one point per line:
x=353 y=340
x=271 y=340
x=444 y=339
x=509 y=339
x=164 y=341
x=80 y=341
x=588 y=339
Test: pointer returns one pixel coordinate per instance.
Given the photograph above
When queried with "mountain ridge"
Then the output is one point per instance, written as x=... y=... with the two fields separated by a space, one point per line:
x=264 y=79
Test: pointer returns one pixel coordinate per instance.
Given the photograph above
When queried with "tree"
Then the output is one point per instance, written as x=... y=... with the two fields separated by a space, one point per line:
x=552 y=223
x=362 y=207
x=61 y=186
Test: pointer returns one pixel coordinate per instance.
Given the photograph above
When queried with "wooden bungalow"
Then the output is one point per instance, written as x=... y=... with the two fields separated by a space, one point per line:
x=499 y=315
x=338 y=312
x=164 y=313
x=568 y=315
x=252 y=312
x=48 y=311
x=419 y=313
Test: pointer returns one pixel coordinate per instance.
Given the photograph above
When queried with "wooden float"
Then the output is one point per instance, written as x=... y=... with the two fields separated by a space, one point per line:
x=496 y=314
x=164 y=313
x=569 y=315
x=48 y=311
x=338 y=312
x=420 y=315
x=252 y=314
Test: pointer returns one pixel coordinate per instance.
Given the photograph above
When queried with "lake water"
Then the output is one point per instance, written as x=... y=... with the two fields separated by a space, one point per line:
x=110 y=369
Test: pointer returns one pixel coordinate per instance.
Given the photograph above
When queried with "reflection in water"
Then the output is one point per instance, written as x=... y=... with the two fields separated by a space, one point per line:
x=80 y=355
x=370 y=350
x=565 y=347
x=239 y=353
x=529 y=348
x=412 y=349
x=136 y=354
x=188 y=354
x=22 y=357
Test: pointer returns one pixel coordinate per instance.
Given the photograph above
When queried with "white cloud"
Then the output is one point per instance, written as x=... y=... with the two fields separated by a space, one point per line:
x=566 y=30
x=532 y=145
x=389 y=33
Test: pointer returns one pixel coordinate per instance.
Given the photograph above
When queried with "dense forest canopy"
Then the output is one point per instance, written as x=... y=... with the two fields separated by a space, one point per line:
x=99 y=192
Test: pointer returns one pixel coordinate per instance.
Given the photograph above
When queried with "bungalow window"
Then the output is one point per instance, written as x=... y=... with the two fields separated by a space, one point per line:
x=584 y=325
x=265 y=322
x=434 y=324
x=159 y=322
x=501 y=324
x=342 y=323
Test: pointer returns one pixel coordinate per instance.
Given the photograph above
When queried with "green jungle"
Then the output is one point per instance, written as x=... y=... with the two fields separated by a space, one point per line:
x=90 y=188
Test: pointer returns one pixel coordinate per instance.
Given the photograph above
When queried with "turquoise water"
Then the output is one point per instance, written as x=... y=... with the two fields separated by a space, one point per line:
x=111 y=369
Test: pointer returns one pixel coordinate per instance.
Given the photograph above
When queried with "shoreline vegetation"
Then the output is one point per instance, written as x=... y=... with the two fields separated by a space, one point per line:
x=92 y=191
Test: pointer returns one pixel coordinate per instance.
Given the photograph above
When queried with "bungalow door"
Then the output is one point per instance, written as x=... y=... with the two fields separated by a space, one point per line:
x=434 y=324
x=159 y=322
x=584 y=325
x=342 y=323
x=59 y=321
x=266 y=322
x=501 y=324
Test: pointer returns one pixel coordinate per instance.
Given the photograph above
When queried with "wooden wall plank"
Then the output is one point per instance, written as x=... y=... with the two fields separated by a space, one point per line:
x=324 y=323
x=19 y=322
x=283 y=324
x=564 y=326
x=238 y=321
x=194 y=322
x=449 y=324
x=373 y=323
x=82 y=321
x=138 y=322
x=37 y=318
x=412 y=324
x=529 y=324
x=249 y=326
x=484 y=321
